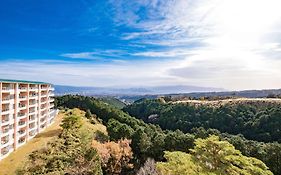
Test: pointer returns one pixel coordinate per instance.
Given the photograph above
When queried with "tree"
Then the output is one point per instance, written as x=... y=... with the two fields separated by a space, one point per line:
x=212 y=156
x=71 y=153
x=149 y=168
x=71 y=122
x=115 y=156
x=88 y=114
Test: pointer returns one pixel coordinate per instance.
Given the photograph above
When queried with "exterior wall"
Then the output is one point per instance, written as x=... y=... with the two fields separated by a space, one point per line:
x=25 y=110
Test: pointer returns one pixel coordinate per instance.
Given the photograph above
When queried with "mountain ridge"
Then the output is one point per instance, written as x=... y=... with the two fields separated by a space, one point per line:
x=148 y=90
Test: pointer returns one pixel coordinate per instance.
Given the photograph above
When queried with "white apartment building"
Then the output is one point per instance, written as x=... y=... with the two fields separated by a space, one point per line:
x=26 y=108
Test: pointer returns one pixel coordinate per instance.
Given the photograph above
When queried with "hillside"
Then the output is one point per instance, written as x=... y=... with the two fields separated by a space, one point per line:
x=151 y=141
x=233 y=101
x=257 y=119
x=113 y=101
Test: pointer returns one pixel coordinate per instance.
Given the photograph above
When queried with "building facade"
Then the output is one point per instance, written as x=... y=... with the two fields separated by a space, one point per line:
x=26 y=108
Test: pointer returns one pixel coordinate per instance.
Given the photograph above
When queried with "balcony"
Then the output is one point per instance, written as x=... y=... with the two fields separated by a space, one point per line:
x=32 y=96
x=43 y=95
x=5 y=111
x=22 y=89
x=21 y=124
x=44 y=102
x=51 y=94
x=31 y=126
x=4 y=142
x=32 y=104
x=31 y=112
x=32 y=133
x=5 y=121
x=22 y=97
x=43 y=125
x=21 y=141
x=21 y=116
x=21 y=133
x=43 y=106
x=4 y=151
x=22 y=106
x=31 y=118
x=51 y=89
x=7 y=88
x=44 y=88
x=43 y=114
x=33 y=89
x=43 y=119
x=5 y=131
x=6 y=99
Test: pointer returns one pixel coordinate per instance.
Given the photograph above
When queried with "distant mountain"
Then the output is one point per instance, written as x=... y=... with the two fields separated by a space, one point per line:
x=245 y=93
x=103 y=91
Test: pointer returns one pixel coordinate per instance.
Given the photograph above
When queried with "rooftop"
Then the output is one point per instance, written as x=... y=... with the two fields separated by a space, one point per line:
x=22 y=81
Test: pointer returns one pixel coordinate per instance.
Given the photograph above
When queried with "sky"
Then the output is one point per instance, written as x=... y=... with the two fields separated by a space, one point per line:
x=230 y=44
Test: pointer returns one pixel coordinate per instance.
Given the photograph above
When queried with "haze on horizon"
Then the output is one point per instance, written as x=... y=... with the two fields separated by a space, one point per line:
x=230 y=44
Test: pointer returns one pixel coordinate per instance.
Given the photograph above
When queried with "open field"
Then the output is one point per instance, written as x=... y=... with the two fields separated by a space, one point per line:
x=217 y=103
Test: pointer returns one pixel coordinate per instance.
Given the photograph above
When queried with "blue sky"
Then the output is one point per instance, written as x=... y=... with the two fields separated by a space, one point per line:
x=213 y=43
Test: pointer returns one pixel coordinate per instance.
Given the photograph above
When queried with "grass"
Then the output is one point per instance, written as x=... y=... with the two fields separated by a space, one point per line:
x=16 y=159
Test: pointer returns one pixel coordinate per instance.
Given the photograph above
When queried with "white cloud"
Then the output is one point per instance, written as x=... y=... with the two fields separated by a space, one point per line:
x=96 y=55
x=227 y=43
x=84 y=55
x=136 y=73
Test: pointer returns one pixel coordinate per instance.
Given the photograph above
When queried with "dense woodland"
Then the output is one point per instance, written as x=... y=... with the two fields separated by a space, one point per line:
x=259 y=121
x=152 y=141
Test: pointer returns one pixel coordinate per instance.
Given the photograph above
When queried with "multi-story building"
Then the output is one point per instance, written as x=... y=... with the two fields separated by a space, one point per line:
x=26 y=108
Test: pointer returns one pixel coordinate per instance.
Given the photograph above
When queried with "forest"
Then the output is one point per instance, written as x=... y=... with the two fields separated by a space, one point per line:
x=255 y=120
x=153 y=141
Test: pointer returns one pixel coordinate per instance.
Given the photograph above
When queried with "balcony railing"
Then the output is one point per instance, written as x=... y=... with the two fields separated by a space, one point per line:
x=31 y=118
x=5 y=109
x=22 y=105
x=6 y=99
x=21 y=141
x=44 y=88
x=21 y=115
x=4 y=152
x=30 y=104
x=4 y=141
x=6 y=130
x=33 y=88
x=21 y=123
x=33 y=133
x=22 y=88
x=31 y=111
x=6 y=88
x=22 y=97
x=21 y=132
x=32 y=95
x=5 y=120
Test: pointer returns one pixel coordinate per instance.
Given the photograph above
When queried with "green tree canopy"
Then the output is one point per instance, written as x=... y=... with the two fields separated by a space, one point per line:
x=212 y=156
